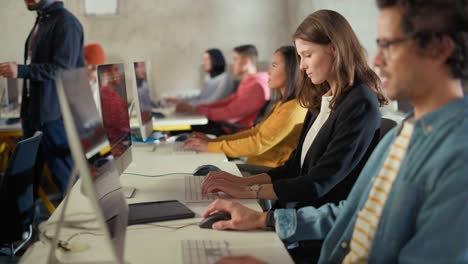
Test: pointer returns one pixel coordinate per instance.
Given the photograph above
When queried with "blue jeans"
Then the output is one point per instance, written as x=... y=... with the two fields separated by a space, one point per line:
x=54 y=151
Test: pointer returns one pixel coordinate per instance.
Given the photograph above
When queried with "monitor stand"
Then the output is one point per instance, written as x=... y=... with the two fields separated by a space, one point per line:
x=75 y=247
x=128 y=191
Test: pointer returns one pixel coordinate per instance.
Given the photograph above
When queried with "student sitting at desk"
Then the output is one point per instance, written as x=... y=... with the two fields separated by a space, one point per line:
x=218 y=84
x=242 y=107
x=271 y=142
x=409 y=203
x=340 y=130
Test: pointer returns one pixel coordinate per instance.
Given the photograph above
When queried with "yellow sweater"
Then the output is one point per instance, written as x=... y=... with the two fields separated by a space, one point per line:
x=269 y=143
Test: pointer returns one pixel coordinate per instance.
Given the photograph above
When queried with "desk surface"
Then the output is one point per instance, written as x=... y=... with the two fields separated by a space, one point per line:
x=150 y=244
x=15 y=127
x=171 y=118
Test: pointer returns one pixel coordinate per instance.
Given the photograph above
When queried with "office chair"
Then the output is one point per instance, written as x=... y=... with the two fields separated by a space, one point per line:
x=17 y=196
x=385 y=126
x=234 y=127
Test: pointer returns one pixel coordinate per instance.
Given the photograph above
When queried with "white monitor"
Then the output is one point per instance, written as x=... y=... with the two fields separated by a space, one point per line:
x=141 y=99
x=93 y=162
x=114 y=111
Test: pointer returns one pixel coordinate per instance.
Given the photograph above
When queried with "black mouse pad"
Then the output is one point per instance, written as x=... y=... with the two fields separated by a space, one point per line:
x=148 y=212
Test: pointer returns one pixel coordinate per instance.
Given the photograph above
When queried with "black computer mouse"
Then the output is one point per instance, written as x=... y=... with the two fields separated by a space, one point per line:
x=204 y=169
x=182 y=137
x=210 y=220
x=157 y=114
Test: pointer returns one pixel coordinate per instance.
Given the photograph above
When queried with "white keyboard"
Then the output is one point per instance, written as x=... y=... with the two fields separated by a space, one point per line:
x=204 y=251
x=193 y=190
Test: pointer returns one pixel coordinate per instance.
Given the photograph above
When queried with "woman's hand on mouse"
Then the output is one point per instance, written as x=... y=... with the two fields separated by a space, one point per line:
x=222 y=175
x=242 y=218
x=196 y=144
x=239 y=260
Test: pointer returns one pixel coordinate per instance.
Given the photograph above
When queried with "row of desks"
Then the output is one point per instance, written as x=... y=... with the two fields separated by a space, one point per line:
x=153 y=244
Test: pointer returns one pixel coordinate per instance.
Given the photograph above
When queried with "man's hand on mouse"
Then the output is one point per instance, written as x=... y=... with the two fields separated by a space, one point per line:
x=197 y=144
x=215 y=176
x=242 y=218
x=239 y=260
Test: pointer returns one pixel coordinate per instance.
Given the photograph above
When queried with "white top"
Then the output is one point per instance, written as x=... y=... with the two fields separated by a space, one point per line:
x=319 y=121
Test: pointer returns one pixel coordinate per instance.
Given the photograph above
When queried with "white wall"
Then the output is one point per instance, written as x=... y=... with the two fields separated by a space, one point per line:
x=173 y=34
x=361 y=14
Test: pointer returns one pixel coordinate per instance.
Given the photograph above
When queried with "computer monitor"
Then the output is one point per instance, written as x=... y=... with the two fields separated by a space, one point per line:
x=93 y=162
x=141 y=99
x=10 y=95
x=114 y=111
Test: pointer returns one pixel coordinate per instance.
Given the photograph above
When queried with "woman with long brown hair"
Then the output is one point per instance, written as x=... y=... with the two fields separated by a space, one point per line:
x=342 y=126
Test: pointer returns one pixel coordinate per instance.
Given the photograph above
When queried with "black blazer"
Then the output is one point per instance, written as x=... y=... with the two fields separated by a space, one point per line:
x=337 y=155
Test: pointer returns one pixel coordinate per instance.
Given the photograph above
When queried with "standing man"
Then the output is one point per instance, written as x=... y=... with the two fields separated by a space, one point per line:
x=409 y=204
x=55 y=43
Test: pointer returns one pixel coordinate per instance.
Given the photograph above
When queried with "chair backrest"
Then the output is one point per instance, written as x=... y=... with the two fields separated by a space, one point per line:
x=264 y=110
x=16 y=190
x=385 y=126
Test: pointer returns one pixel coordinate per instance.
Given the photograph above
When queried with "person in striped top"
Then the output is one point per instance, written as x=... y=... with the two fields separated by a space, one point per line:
x=409 y=202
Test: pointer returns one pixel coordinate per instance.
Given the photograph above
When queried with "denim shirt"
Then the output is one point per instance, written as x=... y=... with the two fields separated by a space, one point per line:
x=425 y=217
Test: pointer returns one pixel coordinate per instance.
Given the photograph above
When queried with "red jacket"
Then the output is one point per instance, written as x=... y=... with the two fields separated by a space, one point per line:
x=243 y=106
x=114 y=116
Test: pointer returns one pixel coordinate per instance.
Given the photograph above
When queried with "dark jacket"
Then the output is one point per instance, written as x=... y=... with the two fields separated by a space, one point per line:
x=58 y=45
x=337 y=155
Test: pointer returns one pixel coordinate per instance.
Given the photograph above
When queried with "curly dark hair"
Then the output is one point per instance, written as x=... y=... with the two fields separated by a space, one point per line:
x=428 y=20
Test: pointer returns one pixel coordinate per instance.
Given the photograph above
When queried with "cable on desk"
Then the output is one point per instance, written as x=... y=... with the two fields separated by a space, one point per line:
x=157 y=175
x=173 y=227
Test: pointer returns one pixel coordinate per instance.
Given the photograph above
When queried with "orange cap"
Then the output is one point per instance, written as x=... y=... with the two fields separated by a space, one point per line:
x=94 y=54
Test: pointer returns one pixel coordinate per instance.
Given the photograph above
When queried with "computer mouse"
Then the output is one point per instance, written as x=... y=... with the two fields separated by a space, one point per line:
x=210 y=220
x=157 y=114
x=204 y=169
x=182 y=137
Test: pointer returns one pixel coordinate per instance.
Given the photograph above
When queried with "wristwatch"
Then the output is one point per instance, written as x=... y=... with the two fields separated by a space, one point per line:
x=256 y=189
x=270 y=220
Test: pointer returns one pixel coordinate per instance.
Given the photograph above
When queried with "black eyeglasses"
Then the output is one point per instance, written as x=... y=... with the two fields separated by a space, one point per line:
x=385 y=44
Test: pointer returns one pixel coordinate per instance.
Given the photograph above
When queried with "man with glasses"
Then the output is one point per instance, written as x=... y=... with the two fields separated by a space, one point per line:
x=409 y=204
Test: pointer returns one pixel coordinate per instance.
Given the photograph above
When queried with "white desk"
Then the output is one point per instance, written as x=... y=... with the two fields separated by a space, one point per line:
x=150 y=244
x=171 y=118
x=15 y=127
x=180 y=163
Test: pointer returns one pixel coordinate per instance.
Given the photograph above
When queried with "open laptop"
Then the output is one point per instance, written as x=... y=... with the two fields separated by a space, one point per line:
x=94 y=163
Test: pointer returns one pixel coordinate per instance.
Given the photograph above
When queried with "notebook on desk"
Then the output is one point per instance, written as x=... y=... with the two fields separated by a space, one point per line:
x=148 y=212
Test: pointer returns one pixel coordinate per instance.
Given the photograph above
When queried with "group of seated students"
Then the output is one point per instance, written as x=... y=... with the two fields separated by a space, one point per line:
x=343 y=196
